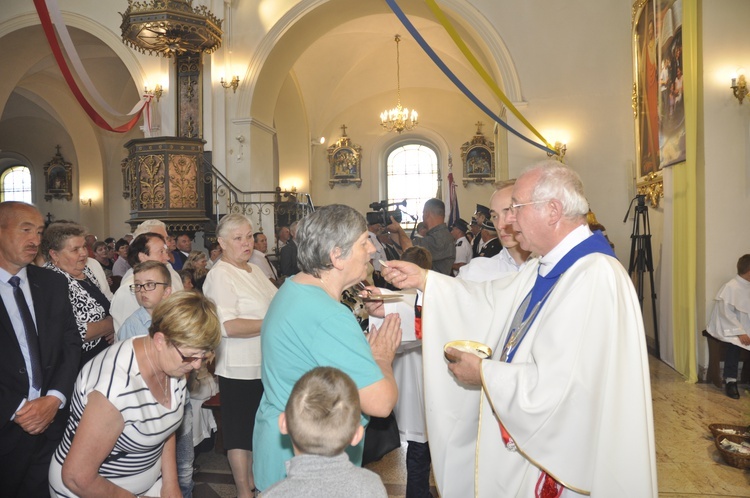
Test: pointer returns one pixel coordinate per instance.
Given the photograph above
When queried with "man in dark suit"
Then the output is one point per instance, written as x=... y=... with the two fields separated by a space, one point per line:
x=491 y=245
x=288 y=256
x=184 y=246
x=41 y=351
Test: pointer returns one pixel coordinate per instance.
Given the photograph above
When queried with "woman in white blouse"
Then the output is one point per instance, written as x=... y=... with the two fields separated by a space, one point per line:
x=242 y=294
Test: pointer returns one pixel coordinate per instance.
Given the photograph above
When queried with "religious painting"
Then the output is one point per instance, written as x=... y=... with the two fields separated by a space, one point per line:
x=58 y=178
x=345 y=160
x=658 y=96
x=672 y=149
x=646 y=88
x=478 y=156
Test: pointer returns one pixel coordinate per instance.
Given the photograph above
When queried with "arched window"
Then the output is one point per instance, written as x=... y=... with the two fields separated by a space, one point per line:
x=412 y=175
x=15 y=184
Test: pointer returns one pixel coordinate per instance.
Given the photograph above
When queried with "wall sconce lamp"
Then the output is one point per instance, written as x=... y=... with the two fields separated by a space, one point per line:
x=232 y=84
x=157 y=92
x=739 y=87
x=318 y=141
x=560 y=149
x=86 y=202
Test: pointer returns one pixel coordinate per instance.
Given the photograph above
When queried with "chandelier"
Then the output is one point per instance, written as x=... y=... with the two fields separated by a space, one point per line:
x=398 y=119
x=170 y=27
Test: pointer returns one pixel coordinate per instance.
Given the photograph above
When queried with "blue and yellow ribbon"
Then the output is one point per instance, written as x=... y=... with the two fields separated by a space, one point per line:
x=459 y=84
x=443 y=19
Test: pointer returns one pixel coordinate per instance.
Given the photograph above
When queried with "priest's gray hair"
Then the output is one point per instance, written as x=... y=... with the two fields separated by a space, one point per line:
x=557 y=181
x=328 y=228
x=232 y=222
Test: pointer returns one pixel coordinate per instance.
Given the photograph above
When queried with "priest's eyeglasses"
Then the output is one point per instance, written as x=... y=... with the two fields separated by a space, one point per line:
x=188 y=359
x=515 y=207
x=148 y=286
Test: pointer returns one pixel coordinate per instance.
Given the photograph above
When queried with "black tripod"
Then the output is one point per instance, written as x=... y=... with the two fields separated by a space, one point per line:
x=641 y=258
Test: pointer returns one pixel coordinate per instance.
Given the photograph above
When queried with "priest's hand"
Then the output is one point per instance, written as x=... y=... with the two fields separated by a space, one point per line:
x=404 y=275
x=466 y=367
x=744 y=339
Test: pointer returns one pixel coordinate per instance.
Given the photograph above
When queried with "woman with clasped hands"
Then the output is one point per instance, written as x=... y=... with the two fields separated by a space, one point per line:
x=306 y=326
x=127 y=403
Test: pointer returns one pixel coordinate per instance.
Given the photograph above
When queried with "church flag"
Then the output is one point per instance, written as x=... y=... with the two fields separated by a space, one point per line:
x=452 y=195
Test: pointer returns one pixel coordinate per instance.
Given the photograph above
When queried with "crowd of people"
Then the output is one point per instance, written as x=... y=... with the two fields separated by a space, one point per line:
x=95 y=391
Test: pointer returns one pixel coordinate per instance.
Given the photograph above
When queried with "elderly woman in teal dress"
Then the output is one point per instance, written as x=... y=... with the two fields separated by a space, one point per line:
x=306 y=326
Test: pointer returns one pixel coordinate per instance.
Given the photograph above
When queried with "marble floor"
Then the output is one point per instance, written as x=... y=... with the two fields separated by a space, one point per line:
x=688 y=463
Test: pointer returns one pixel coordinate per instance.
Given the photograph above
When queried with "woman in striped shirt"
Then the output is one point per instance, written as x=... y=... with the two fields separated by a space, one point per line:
x=127 y=403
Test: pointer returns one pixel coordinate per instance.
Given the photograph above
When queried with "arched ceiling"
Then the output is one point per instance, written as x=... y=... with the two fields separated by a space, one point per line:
x=108 y=73
x=356 y=61
x=340 y=55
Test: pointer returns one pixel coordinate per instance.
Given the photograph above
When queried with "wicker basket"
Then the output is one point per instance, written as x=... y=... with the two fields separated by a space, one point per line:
x=738 y=460
x=722 y=429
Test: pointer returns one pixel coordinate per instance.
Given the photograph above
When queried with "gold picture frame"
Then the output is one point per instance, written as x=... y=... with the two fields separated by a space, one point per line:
x=657 y=99
x=345 y=161
x=58 y=178
x=478 y=157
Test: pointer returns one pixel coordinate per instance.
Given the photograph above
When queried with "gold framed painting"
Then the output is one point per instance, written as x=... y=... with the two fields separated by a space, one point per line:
x=345 y=162
x=646 y=88
x=658 y=103
x=58 y=178
x=478 y=157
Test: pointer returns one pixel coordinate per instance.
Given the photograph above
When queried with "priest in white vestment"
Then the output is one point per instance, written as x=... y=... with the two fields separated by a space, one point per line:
x=563 y=406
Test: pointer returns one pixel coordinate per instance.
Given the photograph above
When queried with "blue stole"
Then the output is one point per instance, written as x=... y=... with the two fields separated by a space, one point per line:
x=543 y=287
x=595 y=243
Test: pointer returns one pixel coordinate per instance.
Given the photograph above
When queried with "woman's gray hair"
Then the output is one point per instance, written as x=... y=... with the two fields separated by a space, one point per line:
x=319 y=233
x=58 y=233
x=231 y=222
x=557 y=181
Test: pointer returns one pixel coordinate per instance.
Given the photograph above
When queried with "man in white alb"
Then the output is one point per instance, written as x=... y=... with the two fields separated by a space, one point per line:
x=730 y=322
x=512 y=257
x=565 y=402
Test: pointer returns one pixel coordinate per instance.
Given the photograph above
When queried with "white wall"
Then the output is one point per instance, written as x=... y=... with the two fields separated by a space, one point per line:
x=726 y=140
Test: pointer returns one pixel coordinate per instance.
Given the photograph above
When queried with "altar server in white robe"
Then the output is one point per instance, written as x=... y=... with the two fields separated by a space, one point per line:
x=730 y=322
x=563 y=406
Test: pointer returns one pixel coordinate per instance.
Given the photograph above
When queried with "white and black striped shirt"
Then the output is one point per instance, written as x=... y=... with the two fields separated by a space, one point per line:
x=135 y=461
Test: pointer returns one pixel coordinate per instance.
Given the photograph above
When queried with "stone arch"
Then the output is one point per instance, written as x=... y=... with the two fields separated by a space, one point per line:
x=289 y=37
x=75 y=20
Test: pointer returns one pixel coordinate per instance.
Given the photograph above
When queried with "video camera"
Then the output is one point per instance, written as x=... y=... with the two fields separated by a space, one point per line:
x=381 y=215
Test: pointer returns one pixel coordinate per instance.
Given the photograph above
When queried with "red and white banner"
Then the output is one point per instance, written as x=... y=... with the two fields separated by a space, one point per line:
x=143 y=106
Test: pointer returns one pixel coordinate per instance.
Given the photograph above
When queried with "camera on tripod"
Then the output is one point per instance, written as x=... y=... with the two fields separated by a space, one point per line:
x=381 y=215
